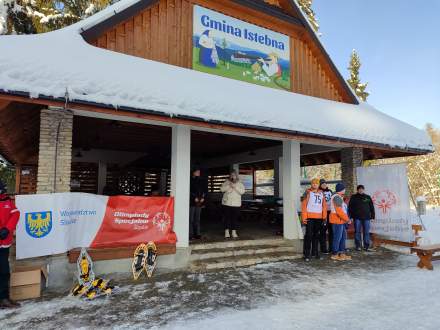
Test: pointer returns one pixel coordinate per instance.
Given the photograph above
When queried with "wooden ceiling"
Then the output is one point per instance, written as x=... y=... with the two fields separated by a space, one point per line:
x=19 y=138
x=93 y=133
x=19 y=132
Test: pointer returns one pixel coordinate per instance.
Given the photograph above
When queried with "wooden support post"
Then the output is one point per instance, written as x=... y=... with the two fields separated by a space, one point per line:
x=17 y=179
x=425 y=260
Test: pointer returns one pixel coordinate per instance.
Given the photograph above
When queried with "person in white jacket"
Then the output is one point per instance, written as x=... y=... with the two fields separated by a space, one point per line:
x=232 y=190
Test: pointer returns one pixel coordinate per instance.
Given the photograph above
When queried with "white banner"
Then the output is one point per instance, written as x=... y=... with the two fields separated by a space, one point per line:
x=55 y=223
x=388 y=187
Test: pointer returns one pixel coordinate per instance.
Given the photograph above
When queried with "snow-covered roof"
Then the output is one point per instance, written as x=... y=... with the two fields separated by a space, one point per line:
x=46 y=65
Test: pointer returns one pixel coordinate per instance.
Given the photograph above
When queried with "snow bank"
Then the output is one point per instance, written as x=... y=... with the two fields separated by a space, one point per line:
x=431 y=221
x=51 y=64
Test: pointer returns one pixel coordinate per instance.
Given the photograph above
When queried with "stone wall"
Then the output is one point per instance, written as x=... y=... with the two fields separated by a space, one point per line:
x=55 y=121
x=350 y=159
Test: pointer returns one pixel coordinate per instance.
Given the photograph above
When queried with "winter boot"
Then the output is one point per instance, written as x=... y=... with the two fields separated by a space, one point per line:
x=335 y=257
x=234 y=234
x=344 y=257
x=227 y=233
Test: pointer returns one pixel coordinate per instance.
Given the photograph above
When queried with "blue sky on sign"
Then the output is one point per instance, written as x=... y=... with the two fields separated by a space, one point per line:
x=399 y=45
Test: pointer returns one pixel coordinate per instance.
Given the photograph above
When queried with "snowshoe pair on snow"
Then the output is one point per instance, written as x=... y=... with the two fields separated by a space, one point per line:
x=144 y=258
x=88 y=285
x=98 y=287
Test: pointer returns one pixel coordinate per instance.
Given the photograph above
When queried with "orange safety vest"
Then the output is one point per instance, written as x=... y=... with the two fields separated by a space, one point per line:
x=314 y=206
x=338 y=214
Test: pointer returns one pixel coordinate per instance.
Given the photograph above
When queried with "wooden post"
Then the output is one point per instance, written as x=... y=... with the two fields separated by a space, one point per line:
x=17 y=179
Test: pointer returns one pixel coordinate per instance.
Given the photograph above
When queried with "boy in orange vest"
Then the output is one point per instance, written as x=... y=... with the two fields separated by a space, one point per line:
x=339 y=220
x=313 y=213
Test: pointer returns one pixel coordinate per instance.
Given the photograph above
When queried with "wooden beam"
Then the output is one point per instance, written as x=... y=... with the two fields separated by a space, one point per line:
x=4 y=104
x=118 y=253
x=203 y=124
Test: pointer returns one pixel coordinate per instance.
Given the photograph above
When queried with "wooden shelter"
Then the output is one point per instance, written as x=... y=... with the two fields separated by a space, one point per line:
x=116 y=96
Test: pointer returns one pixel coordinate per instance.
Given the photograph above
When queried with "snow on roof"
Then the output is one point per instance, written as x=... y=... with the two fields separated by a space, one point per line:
x=48 y=64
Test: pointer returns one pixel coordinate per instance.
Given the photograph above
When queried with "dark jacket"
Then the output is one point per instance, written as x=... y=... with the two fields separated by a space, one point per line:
x=198 y=189
x=361 y=207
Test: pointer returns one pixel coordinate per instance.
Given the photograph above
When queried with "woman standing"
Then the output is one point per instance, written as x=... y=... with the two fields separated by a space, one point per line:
x=232 y=190
x=208 y=55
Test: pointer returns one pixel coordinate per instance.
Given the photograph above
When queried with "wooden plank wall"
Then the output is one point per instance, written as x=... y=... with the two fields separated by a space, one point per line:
x=86 y=175
x=163 y=33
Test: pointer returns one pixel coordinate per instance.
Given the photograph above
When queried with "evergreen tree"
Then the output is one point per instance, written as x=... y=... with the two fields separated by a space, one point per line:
x=18 y=19
x=38 y=16
x=7 y=175
x=355 y=81
x=423 y=171
x=306 y=7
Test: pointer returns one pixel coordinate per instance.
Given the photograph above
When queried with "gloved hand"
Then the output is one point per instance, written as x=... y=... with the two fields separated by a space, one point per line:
x=4 y=232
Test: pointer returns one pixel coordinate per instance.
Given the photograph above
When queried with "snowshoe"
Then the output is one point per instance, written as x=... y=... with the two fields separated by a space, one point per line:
x=85 y=268
x=151 y=258
x=139 y=260
x=100 y=287
x=80 y=290
x=92 y=293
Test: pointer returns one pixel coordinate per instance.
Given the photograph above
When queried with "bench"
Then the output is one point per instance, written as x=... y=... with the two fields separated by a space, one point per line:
x=425 y=254
x=118 y=253
x=378 y=240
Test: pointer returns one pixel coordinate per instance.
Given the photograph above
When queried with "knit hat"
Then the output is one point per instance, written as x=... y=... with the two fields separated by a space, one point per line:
x=322 y=181
x=3 y=188
x=340 y=187
x=313 y=181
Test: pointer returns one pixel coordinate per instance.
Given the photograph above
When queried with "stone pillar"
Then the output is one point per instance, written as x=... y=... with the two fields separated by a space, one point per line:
x=180 y=180
x=350 y=159
x=55 y=151
x=291 y=189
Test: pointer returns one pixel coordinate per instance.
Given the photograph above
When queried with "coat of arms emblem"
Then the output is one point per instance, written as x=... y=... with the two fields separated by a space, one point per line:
x=38 y=224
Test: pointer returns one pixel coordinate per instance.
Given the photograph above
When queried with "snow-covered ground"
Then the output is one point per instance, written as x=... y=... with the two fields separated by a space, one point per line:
x=383 y=290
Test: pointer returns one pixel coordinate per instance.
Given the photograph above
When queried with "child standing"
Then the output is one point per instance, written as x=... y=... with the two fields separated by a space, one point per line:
x=326 y=226
x=339 y=219
x=313 y=213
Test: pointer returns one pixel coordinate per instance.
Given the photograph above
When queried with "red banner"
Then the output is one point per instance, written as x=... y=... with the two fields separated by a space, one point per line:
x=132 y=220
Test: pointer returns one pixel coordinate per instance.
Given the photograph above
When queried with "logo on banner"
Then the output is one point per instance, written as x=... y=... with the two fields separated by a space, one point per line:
x=162 y=220
x=38 y=224
x=385 y=200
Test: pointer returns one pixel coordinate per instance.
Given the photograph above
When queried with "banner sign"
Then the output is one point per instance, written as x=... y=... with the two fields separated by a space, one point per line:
x=231 y=48
x=56 y=223
x=388 y=187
